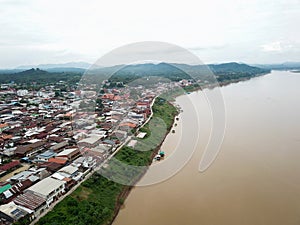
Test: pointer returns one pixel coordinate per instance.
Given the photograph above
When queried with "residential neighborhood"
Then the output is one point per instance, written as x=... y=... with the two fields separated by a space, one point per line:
x=49 y=142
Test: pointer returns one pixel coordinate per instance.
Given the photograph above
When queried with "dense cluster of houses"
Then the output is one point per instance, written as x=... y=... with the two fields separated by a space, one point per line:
x=48 y=145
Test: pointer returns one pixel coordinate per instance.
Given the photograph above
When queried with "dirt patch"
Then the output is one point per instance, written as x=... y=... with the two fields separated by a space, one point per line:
x=82 y=194
x=20 y=169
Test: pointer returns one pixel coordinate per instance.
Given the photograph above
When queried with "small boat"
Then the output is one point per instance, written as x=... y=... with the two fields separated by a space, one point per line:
x=157 y=157
x=162 y=153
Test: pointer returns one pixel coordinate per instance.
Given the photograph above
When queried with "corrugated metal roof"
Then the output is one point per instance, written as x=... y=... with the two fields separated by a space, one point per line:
x=29 y=200
x=46 y=186
x=69 y=169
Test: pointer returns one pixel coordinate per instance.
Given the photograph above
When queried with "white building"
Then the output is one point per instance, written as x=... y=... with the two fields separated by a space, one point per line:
x=69 y=171
x=11 y=212
x=22 y=92
x=49 y=188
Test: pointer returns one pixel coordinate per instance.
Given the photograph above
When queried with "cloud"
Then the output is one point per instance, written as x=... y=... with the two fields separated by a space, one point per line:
x=215 y=30
x=208 y=48
x=280 y=46
x=272 y=47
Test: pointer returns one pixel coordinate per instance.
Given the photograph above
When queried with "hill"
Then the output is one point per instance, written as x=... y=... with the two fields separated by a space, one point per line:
x=175 y=72
x=232 y=71
x=128 y=73
x=39 y=76
x=78 y=65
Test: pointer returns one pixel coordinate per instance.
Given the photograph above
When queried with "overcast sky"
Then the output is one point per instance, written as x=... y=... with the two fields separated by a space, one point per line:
x=57 y=31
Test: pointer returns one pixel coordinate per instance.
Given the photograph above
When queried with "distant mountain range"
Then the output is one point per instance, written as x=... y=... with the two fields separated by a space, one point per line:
x=128 y=73
x=175 y=72
x=282 y=66
x=79 y=65
x=76 y=67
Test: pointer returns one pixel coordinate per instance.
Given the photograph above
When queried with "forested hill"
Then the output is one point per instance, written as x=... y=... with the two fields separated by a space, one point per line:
x=234 y=67
x=175 y=72
x=229 y=71
x=40 y=77
x=125 y=74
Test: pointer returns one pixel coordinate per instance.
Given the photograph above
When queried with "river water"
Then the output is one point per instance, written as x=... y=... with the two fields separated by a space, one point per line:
x=255 y=180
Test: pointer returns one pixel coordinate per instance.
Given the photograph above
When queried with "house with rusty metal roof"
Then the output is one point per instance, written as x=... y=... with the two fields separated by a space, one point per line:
x=31 y=201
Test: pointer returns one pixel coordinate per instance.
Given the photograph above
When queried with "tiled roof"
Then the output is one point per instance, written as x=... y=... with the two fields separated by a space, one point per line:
x=58 y=160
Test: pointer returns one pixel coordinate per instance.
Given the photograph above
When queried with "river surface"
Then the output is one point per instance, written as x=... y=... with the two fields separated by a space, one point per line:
x=255 y=180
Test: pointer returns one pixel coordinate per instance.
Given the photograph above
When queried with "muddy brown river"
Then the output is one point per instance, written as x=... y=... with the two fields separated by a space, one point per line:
x=255 y=180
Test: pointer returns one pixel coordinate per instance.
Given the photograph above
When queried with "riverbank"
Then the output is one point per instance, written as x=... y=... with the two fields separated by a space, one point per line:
x=254 y=178
x=98 y=200
x=170 y=95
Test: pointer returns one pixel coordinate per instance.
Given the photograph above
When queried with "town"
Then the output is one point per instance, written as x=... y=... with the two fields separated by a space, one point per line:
x=54 y=138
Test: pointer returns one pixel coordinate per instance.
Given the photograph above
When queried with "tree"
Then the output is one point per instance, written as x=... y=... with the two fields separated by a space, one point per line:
x=58 y=94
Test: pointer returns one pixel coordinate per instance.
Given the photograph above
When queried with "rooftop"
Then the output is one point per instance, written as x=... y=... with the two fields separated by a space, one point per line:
x=69 y=169
x=21 y=149
x=61 y=161
x=4 y=188
x=59 y=145
x=67 y=152
x=47 y=154
x=12 y=210
x=29 y=200
x=46 y=186
x=10 y=165
x=22 y=175
x=91 y=139
x=141 y=134
x=53 y=166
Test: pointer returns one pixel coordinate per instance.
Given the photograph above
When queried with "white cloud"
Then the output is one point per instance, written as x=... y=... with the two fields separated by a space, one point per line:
x=272 y=47
x=88 y=30
x=281 y=46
